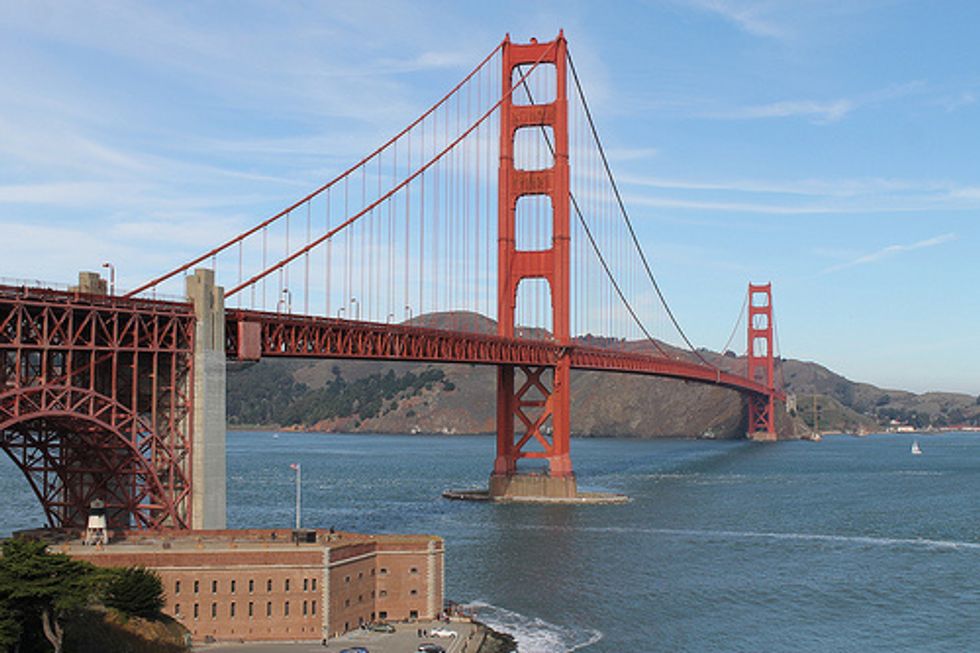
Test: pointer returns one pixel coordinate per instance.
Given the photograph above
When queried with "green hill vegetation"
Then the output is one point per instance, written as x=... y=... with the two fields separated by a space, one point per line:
x=381 y=397
x=263 y=395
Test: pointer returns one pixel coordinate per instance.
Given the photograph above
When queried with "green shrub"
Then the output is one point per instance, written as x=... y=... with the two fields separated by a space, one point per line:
x=135 y=591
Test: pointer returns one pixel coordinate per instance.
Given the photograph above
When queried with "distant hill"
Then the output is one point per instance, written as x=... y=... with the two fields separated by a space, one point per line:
x=376 y=397
x=877 y=405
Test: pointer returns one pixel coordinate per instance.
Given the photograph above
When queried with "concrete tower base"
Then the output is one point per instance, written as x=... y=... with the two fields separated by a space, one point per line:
x=535 y=488
x=529 y=486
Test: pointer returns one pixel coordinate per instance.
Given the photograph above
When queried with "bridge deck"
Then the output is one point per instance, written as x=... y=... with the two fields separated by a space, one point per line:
x=253 y=334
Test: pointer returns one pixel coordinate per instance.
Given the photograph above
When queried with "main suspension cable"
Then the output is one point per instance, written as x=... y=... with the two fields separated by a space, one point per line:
x=625 y=214
x=592 y=240
x=777 y=355
x=738 y=320
x=343 y=175
x=436 y=158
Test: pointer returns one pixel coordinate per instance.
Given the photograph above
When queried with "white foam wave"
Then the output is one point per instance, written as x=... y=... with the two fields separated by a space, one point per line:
x=813 y=537
x=698 y=478
x=533 y=634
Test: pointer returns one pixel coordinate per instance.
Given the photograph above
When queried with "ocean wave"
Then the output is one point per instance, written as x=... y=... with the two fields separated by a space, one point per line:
x=704 y=478
x=865 y=540
x=533 y=634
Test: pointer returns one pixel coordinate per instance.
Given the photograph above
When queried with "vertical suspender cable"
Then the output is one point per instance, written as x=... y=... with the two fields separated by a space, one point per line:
x=348 y=235
x=478 y=181
x=423 y=216
x=284 y=277
x=265 y=253
x=408 y=227
x=306 y=262
x=622 y=207
x=327 y=262
x=240 y=270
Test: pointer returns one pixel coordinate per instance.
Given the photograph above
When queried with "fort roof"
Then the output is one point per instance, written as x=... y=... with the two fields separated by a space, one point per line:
x=281 y=540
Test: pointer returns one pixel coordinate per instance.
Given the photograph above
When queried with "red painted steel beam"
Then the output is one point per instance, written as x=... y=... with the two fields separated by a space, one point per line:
x=293 y=336
x=315 y=337
x=76 y=411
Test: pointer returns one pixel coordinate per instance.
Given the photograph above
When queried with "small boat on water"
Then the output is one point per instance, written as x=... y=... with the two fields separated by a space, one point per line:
x=916 y=451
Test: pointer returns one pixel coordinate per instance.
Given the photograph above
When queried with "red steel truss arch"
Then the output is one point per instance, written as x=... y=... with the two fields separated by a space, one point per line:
x=96 y=403
x=75 y=445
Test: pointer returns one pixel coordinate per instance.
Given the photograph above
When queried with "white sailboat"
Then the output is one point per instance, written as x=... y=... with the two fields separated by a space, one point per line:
x=916 y=451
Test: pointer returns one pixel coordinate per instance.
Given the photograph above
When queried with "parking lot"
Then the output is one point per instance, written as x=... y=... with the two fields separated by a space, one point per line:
x=405 y=639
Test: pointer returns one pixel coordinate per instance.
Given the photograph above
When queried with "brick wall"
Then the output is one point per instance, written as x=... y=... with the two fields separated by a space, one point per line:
x=253 y=589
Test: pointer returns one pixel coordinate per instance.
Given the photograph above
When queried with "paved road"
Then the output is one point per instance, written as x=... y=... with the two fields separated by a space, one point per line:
x=405 y=639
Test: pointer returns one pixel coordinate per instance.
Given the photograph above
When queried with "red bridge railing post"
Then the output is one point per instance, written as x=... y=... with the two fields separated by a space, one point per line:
x=520 y=400
x=761 y=363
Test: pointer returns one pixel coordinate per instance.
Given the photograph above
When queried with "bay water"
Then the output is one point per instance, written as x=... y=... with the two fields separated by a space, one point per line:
x=850 y=544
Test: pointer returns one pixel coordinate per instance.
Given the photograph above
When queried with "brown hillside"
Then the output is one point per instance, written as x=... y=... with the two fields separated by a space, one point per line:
x=607 y=404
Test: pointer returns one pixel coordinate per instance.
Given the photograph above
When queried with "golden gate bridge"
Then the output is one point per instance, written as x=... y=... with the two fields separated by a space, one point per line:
x=489 y=231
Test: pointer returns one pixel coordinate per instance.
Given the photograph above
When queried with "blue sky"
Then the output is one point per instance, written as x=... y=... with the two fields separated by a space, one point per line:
x=830 y=147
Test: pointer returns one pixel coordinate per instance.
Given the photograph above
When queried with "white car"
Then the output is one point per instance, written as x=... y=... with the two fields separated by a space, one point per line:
x=442 y=632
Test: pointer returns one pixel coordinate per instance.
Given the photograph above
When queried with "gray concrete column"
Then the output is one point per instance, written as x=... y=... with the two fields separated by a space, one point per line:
x=208 y=463
x=433 y=605
x=325 y=594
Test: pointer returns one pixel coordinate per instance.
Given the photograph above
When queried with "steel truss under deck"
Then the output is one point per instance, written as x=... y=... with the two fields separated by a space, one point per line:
x=95 y=403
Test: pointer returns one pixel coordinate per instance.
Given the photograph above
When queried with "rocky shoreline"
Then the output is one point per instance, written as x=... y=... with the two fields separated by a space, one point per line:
x=494 y=641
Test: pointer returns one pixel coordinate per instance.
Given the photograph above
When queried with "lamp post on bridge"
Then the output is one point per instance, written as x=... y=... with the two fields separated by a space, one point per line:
x=285 y=303
x=355 y=311
x=112 y=277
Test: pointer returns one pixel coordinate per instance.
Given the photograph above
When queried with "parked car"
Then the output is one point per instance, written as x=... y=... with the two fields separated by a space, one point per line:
x=356 y=649
x=428 y=647
x=381 y=628
x=442 y=632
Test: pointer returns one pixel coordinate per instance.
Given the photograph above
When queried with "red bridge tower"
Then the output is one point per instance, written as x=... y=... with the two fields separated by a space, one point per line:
x=540 y=405
x=761 y=361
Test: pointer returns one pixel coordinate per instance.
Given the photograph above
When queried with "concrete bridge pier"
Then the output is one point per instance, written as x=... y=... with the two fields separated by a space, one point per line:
x=208 y=457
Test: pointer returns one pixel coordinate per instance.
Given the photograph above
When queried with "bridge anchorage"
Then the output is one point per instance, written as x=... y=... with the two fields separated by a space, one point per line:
x=122 y=398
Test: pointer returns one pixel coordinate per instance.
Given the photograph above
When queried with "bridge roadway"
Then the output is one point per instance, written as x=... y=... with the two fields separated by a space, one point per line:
x=251 y=335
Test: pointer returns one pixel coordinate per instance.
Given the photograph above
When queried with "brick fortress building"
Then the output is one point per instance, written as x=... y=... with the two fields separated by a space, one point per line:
x=280 y=584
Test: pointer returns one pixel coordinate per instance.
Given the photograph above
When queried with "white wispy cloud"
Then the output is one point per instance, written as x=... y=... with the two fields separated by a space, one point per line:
x=957 y=101
x=752 y=17
x=819 y=111
x=787 y=23
x=891 y=251
x=837 y=187
x=803 y=196
x=828 y=111
x=68 y=193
